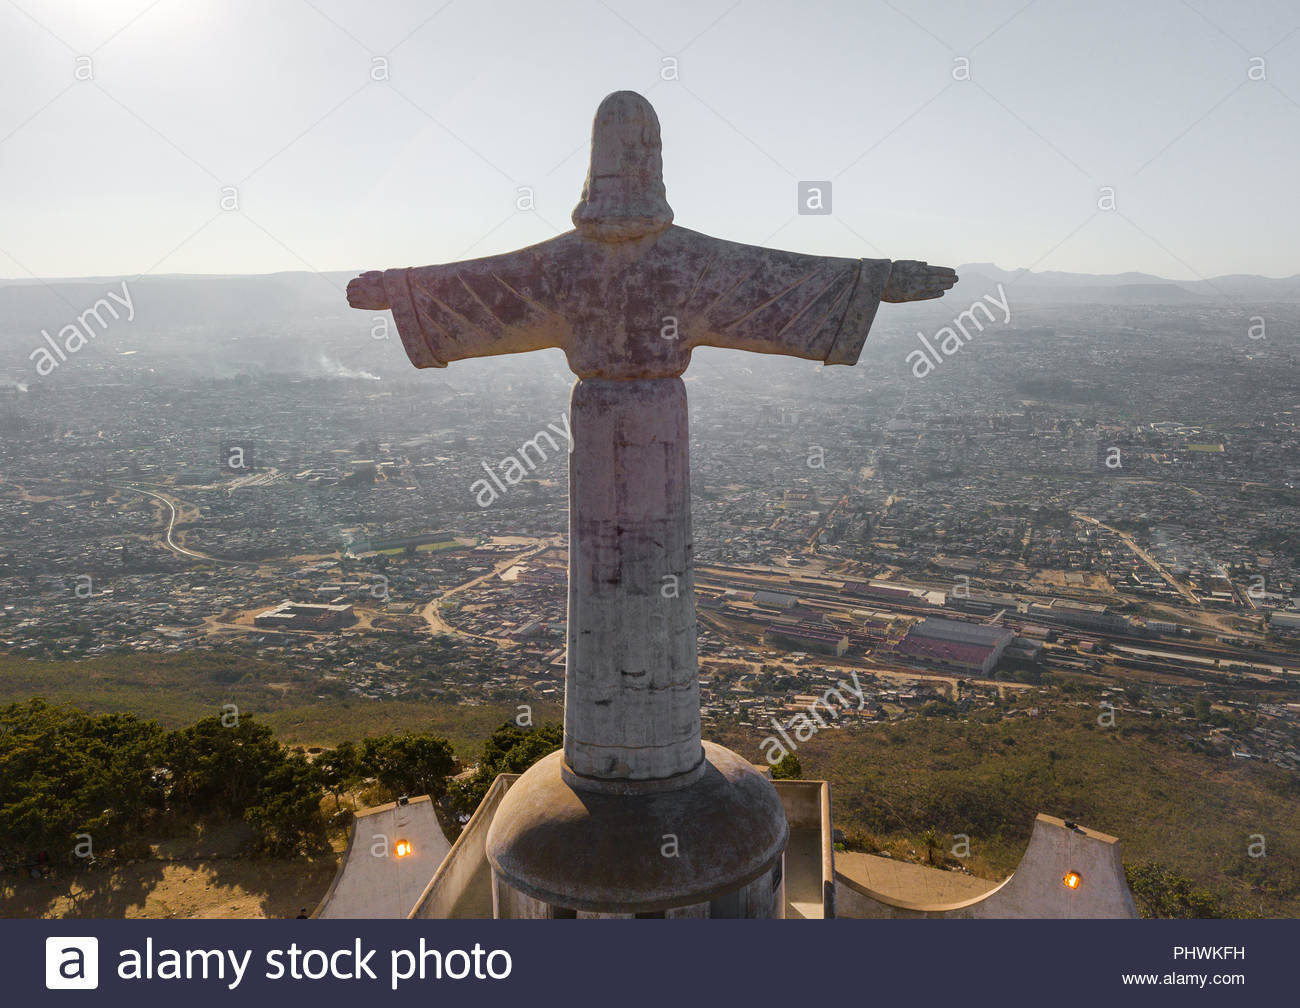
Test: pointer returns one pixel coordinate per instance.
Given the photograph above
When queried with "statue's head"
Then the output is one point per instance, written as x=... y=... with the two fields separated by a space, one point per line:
x=623 y=197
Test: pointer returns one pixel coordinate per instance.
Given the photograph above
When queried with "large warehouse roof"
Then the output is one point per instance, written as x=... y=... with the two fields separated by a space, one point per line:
x=963 y=633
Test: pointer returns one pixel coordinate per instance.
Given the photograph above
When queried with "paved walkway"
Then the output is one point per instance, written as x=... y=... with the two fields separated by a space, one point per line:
x=913 y=883
x=373 y=882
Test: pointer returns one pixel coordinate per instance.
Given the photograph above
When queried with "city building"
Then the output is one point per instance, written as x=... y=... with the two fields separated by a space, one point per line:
x=967 y=647
x=809 y=636
x=304 y=616
x=1085 y=616
x=1284 y=622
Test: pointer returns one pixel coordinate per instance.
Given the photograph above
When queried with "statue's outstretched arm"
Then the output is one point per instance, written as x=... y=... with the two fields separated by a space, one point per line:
x=478 y=308
x=744 y=297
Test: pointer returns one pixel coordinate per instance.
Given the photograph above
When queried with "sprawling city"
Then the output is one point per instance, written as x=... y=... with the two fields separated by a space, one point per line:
x=1105 y=496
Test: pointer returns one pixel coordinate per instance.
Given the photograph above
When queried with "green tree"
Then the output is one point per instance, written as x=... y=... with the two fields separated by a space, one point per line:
x=218 y=767
x=787 y=768
x=931 y=838
x=509 y=749
x=1160 y=892
x=70 y=781
x=339 y=768
x=286 y=812
x=413 y=764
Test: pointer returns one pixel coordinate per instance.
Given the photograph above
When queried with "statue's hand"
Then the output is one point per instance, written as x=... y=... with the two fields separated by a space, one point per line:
x=367 y=291
x=910 y=280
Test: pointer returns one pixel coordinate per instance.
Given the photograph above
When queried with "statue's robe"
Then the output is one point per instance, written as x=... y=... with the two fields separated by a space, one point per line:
x=636 y=309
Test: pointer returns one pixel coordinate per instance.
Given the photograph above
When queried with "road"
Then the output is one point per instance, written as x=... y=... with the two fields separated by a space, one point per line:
x=168 y=539
x=1146 y=557
x=433 y=616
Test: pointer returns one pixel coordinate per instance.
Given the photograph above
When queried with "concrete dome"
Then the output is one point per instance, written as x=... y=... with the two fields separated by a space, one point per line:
x=637 y=853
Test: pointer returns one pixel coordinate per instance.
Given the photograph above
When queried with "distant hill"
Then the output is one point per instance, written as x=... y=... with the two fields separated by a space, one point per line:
x=1249 y=286
x=1053 y=287
x=175 y=302
x=1054 y=278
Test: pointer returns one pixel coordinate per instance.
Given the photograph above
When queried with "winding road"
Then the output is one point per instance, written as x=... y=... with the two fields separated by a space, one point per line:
x=168 y=539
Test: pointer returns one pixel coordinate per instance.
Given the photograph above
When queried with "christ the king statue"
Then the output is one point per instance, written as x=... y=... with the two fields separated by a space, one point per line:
x=627 y=295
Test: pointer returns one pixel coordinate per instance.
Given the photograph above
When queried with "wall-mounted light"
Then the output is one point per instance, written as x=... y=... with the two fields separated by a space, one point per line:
x=1072 y=880
x=403 y=848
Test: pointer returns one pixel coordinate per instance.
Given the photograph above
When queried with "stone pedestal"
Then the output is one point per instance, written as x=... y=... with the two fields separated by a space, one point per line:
x=712 y=848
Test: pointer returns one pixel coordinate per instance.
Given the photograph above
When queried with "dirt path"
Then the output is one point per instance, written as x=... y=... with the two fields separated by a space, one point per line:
x=1146 y=557
x=168 y=538
x=232 y=888
x=185 y=876
x=433 y=615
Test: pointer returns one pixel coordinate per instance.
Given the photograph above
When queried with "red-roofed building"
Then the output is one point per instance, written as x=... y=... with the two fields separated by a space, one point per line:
x=811 y=637
x=959 y=655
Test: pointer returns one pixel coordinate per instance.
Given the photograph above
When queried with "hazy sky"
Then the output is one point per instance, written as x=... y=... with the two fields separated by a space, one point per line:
x=124 y=173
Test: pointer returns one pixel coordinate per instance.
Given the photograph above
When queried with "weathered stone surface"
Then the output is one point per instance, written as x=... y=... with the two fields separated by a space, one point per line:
x=627 y=296
x=613 y=853
x=623 y=197
x=631 y=702
x=637 y=309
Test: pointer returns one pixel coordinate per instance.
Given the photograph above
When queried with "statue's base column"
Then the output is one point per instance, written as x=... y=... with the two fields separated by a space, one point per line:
x=631 y=696
x=635 y=817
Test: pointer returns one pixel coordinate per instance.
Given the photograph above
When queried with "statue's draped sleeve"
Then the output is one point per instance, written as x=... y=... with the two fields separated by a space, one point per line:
x=765 y=300
x=477 y=308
